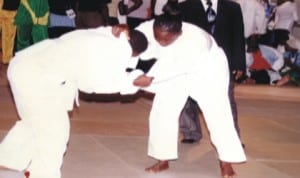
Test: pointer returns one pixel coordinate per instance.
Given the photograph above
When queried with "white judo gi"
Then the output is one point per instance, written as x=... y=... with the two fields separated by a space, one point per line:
x=193 y=65
x=45 y=79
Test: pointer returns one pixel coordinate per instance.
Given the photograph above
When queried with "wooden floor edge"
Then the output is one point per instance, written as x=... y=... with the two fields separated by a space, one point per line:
x=268 y=92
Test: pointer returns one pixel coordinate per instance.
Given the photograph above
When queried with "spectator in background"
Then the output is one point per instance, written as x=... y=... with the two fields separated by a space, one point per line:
x=32 y=22
x=139 y=15
x=291 y=71
x=268 y=37
x=125 y=7
x=270 y=9
x=92 y=13
x=286 y=16
x=254 y=17
x=62 y=17
x=8 y=10
x=263 y=62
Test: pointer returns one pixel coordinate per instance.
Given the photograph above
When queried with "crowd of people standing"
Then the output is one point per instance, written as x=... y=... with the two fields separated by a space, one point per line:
x=24 y=22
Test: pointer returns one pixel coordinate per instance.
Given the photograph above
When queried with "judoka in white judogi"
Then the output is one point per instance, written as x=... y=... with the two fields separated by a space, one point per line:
x=45 y=79
x=193 y=65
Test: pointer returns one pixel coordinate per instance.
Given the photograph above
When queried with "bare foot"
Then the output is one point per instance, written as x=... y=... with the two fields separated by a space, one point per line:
x=226 y=170
x=249 y=81
x=158 y=167
x=284 y=80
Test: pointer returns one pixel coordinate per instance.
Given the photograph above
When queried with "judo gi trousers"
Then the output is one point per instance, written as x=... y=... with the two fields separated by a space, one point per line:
x=211 y=93
x=37 y=142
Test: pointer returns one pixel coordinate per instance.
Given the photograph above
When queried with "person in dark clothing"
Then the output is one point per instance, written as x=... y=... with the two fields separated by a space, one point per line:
x=62 y=17
x=92 y=13
x=32 y=21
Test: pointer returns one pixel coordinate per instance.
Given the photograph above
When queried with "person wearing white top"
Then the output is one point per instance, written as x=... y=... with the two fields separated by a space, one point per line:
x=186 y=56
x=253 y=16
x=286 y=16
x=45 y=79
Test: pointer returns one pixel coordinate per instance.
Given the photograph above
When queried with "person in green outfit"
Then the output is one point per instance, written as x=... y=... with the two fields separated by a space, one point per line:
x=32 y=22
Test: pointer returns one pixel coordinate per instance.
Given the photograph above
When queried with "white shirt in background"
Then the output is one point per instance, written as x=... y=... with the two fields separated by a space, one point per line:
x=253 y=16
x=285 y=16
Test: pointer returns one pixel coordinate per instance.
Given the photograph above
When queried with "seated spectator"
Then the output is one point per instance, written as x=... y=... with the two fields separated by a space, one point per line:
x=62 y=17
x=263 y=62
x=291 y=70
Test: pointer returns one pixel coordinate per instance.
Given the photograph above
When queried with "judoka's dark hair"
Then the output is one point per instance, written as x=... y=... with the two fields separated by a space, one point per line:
x=170 y=20
x=137 y=41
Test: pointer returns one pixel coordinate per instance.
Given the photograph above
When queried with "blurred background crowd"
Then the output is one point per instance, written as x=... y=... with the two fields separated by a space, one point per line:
x=271 y=29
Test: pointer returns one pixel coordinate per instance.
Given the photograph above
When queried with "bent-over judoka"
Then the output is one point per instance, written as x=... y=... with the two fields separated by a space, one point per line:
x=45 y=79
